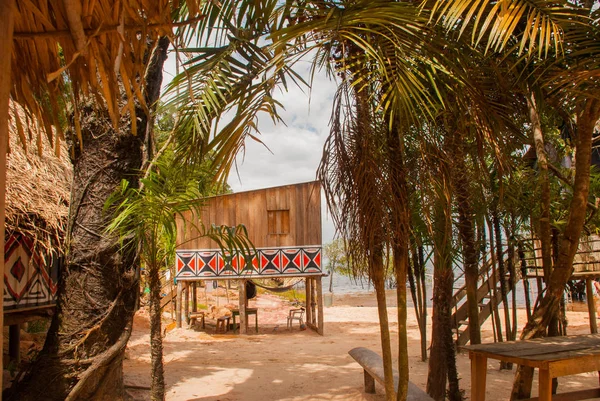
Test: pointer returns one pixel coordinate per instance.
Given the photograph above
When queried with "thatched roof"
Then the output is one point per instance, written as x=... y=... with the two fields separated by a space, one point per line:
x=85 y=43
x=38 y=186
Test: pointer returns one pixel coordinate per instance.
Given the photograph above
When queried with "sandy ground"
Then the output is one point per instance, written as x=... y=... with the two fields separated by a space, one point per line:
x=281 y=364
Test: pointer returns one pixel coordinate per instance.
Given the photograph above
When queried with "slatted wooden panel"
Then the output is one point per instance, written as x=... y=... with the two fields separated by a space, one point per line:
x=293 y=212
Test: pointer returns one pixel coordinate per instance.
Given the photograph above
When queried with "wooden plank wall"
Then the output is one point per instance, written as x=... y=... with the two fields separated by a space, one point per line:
x=289 y=215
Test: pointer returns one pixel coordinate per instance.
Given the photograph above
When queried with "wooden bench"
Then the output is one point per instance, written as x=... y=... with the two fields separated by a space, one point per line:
x=193 y=316
x=222 y=324
x=372 y=365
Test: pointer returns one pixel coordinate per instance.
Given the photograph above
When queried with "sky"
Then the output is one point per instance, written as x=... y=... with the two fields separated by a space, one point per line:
x=294 y=149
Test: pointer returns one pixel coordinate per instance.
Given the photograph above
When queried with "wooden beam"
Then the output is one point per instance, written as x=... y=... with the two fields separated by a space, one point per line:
x=178 y=304
x=320 y=321
x=6 y=49
x=73 y=10
x=28 y=315
x=242 y=306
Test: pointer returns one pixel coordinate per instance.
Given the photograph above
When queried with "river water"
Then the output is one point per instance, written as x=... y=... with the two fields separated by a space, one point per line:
x=349 y=285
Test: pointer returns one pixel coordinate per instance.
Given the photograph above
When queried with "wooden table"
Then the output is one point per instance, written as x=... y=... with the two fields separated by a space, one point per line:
x=249 y=311
x=553 y=356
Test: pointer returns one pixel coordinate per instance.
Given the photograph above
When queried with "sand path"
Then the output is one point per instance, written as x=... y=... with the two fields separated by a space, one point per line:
x=279 y=364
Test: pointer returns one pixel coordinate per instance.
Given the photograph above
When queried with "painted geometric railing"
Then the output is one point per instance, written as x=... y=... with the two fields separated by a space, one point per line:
x=267 y=262
x=30 y=279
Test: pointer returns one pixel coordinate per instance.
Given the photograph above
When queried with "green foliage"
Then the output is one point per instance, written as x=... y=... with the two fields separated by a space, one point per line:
x=201 y=170
x=337 y=258
x=38 y=326
x=148 y=215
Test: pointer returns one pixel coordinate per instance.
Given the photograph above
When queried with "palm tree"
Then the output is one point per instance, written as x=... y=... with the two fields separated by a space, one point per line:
x=146 y=217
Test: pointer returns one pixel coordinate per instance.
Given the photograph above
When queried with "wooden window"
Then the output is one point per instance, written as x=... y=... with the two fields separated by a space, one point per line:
x=278 y=221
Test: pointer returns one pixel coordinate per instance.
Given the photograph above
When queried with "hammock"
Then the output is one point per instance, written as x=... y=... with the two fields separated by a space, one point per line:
x=276 y=289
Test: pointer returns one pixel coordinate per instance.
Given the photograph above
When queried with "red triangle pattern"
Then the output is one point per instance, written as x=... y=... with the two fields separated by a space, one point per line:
x=201 y=263
x=220 y=263
x=268 y=261
x=298 y=260
x=306 y=259
x=213 y=264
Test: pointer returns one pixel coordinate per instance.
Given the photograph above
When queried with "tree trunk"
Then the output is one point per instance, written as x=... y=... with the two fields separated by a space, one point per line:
x=423 y=297
x=331 y=279
x=156 y=346
x=154 y=76
x=82 y=358
x=542 y=163
x=83 y=353
x=512 y=277
x=588 y=114
x=399 y=214
x=416 y=278
x=502 y=278
x=442 y=363
x=377 y=273
x=416 y=297
x=467 y=235
x=493 y=288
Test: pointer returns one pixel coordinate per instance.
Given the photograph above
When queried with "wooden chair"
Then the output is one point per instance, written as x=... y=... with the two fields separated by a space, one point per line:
x=295 y=314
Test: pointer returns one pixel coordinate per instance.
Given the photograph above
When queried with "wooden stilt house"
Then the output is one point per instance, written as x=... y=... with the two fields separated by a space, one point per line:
x=284 y=225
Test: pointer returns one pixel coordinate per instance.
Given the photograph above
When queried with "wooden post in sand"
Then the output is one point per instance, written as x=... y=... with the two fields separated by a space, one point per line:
x=186 y=302
x=178 y=304
x=320 y=323
x=194 y=296
x=313 y=303
x=242 y=306
x=308 y=288
x=589 y=289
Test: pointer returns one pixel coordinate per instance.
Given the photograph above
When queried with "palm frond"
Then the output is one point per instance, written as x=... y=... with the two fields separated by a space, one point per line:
x=537 y=25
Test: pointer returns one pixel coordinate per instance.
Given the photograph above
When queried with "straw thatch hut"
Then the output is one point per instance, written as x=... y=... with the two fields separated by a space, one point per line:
x=37 y=205
x=37 y=199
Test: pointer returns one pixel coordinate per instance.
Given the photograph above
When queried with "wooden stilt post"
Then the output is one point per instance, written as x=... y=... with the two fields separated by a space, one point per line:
x=186 y=302
x=179 y=303
x=6 y=46
x=320 y=321
x=308 y=287
x=589 y=289
x=14 y=340
x=313 y=303
x=195 y=296
x=242 y=306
